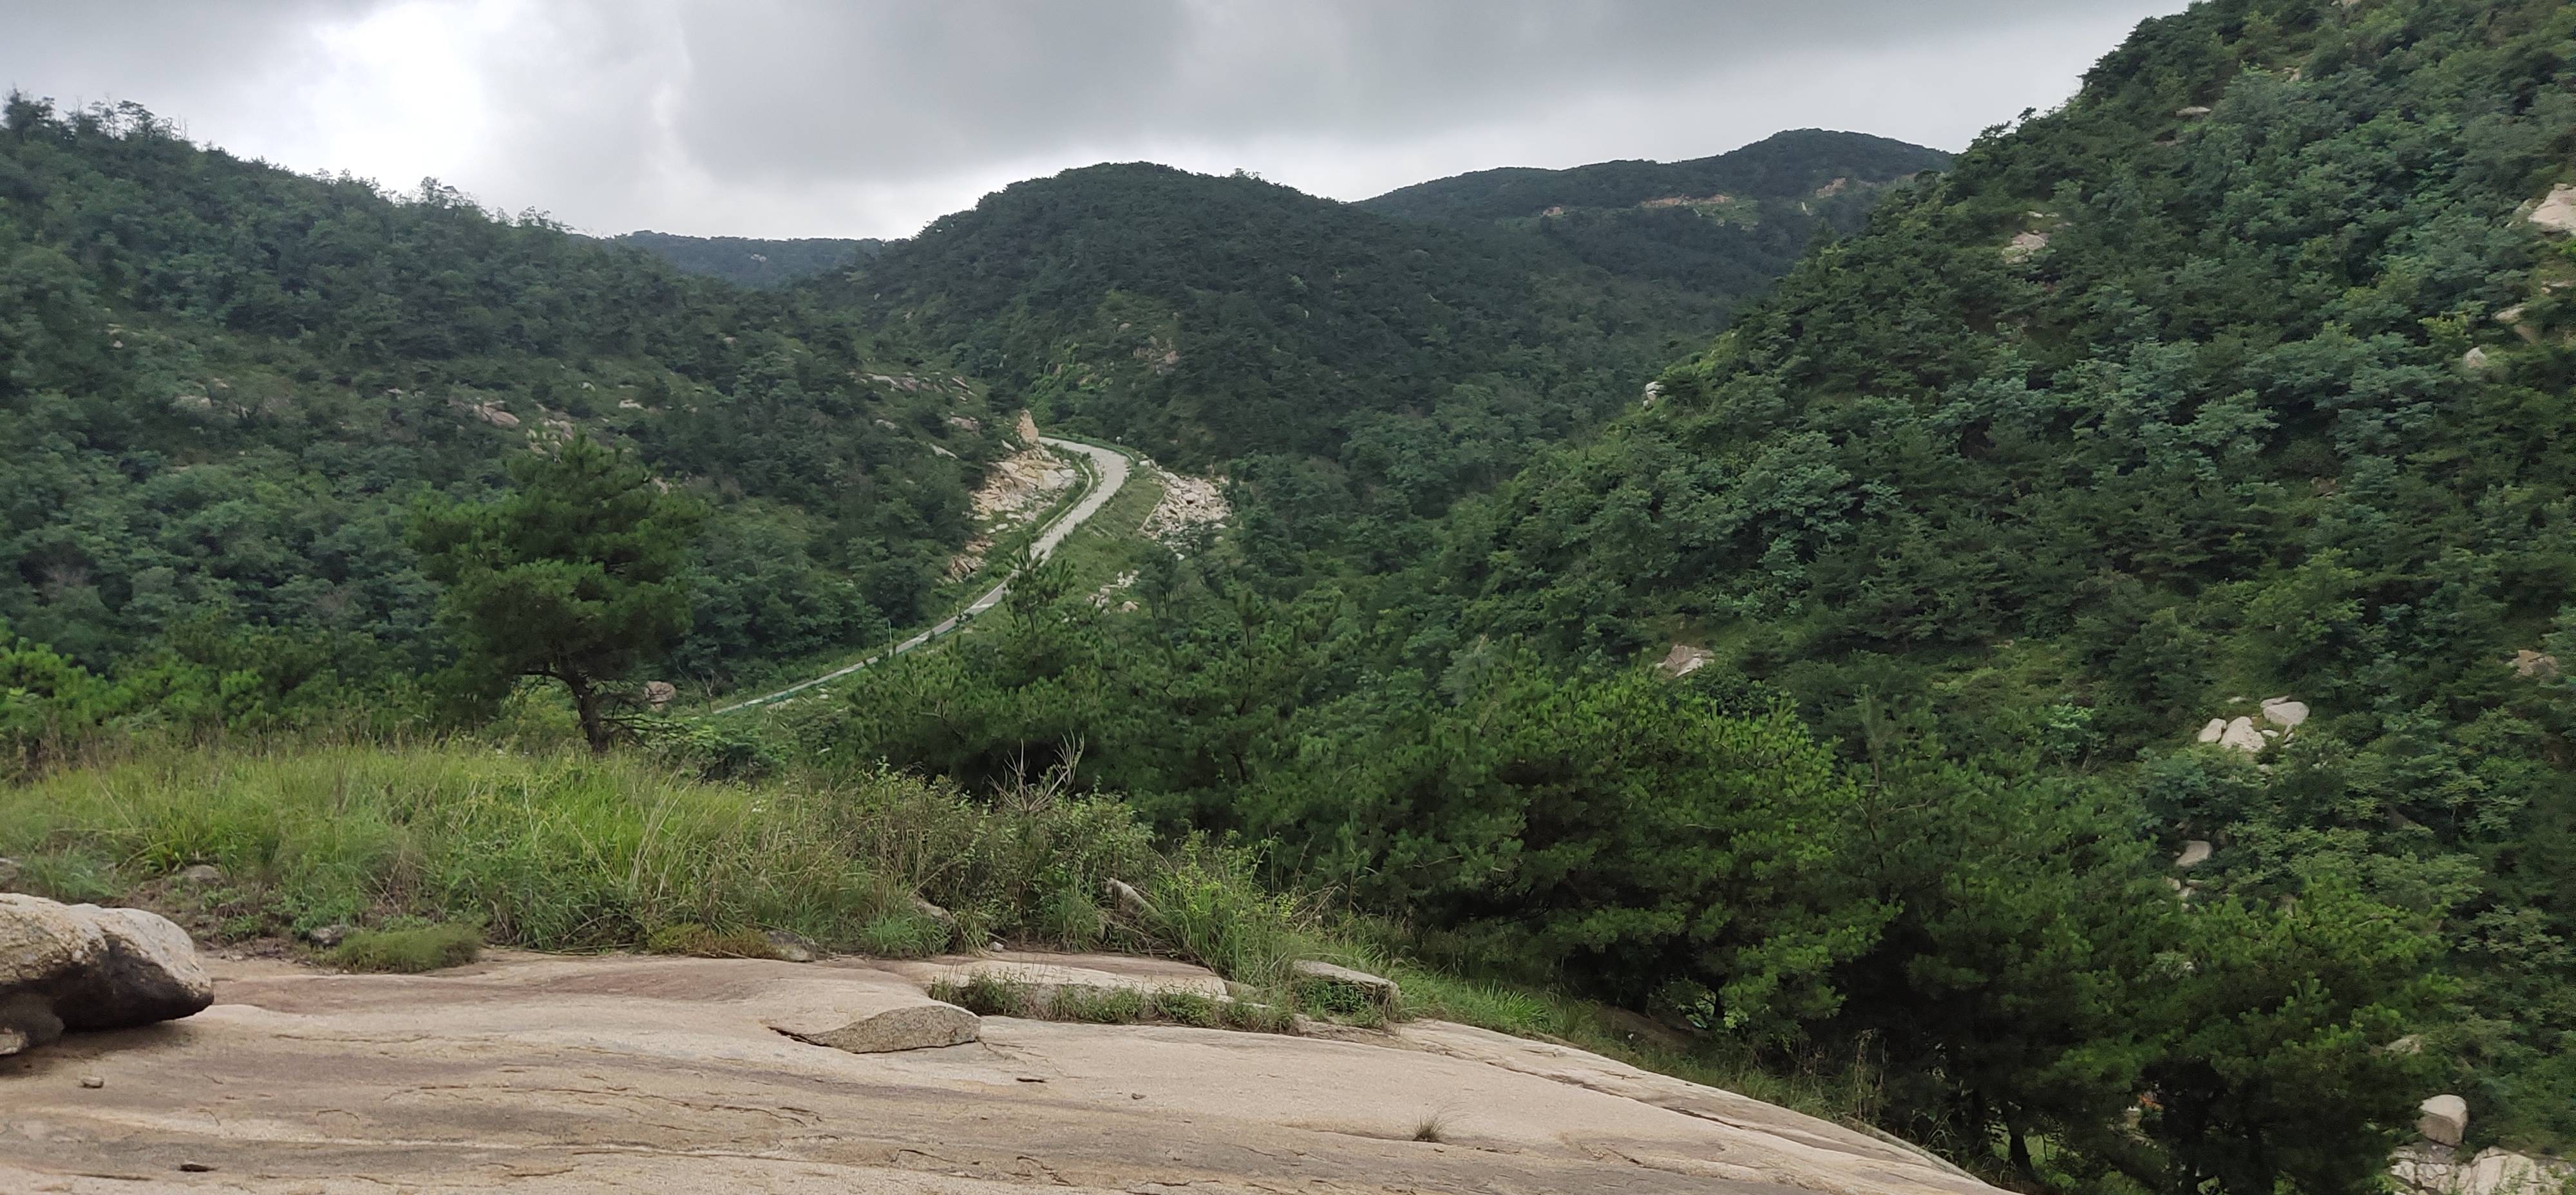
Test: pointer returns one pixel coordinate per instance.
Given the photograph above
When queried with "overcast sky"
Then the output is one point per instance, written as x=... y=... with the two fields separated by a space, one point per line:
x=857 y=118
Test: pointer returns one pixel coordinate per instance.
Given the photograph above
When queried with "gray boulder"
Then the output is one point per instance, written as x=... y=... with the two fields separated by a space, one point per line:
x=1378 y=988
x=2445 y=1119
x=83 y=967
x=925 y=1025
x=150 y=974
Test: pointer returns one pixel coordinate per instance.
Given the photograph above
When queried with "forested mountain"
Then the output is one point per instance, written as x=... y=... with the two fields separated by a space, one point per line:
x=2184 y=469
x=1325 y=346
x=2245 y=374
x=1207 y=318
x=223 y=385
x=749 y=261
x=1789 y=165
x=1725 y=225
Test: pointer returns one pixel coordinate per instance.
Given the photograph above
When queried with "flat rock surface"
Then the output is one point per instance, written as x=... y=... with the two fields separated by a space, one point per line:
x=535 y=1074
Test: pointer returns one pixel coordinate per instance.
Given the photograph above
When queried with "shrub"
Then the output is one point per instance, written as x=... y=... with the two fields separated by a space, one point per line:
x=409 y=951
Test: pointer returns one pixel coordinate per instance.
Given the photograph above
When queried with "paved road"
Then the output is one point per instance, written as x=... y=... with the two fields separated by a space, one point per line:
x=1113 y=474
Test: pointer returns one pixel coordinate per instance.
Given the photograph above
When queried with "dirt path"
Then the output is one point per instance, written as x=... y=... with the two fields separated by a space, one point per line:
x=1112 y=465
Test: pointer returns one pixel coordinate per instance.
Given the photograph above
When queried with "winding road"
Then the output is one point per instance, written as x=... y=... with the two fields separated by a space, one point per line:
x=1112 y=465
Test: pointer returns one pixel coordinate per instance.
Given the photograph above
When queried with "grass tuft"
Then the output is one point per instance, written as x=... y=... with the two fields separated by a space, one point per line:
x=409 y=951
x=690 y=938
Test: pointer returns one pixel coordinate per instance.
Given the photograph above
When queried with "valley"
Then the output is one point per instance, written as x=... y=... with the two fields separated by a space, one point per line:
x=1673 y=673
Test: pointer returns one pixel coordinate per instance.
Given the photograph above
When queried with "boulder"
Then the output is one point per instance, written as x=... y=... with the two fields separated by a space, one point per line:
x=26 y=1021
x=2526 y=663
x=1130 y=902
x=150 y=974
x=1378 y=988
x=84 y=967
x=927 y=1025
x=327 y=936
x=937 y=916
x=2557 y=211
x=2024 y=246
x=1684 y=659
x=41 y=941
x=2284 y=713
x=659 y=693
x=788 y=947
x=2445 y=1119
x=2211 y=732
x=2194 y=853
x=201 y=873
x=2474 y=359
x=2241 y=735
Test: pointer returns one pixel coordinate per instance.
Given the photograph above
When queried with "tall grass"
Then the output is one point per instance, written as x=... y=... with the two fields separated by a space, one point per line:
x=563 y=850
x=554 y=851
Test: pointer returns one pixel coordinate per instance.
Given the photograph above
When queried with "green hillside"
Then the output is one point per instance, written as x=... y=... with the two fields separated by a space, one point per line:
x=1207 y=318
x=2244 y=375
x=1726 y=225
x=223 y=385
x=749 y=261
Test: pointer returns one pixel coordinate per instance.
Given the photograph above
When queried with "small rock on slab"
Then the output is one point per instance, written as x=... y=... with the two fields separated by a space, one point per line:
x=327 y=936
x=927 y=1025
x=1376 y=987
x=93 y=1082
x=792 y=948
x=2445 y=1119
x=202 y=873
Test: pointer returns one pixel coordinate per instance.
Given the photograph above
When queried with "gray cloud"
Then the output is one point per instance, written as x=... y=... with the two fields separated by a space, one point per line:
x=779 y=117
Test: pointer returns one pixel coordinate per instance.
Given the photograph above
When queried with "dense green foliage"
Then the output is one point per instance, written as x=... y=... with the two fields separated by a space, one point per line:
x=1787 y=165
x=2280 y=406
x=746 y=261
x=2243 y=374
x=2153 y=406
x=1206 y=319
x=1724 y=226
x=577 y=574
x=222 y=384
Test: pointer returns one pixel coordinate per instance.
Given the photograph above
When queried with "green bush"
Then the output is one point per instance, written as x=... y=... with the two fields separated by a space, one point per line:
x=690 y=938
x=409 y=951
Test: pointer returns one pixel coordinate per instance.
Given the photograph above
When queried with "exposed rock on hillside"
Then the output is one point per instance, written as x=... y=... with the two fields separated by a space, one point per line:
x=2557 y=212
x=542 y=1074
x=1188 y=503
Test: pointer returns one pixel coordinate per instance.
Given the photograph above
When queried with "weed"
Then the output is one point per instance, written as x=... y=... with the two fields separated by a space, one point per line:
x=409 y=951
x=690 y=938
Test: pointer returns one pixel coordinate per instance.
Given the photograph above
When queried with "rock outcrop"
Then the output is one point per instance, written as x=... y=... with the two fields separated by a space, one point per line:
x=1376 y=989
x=2557 y=211
x=549 y=1075
x=2439 y=1170
x=77 y=967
